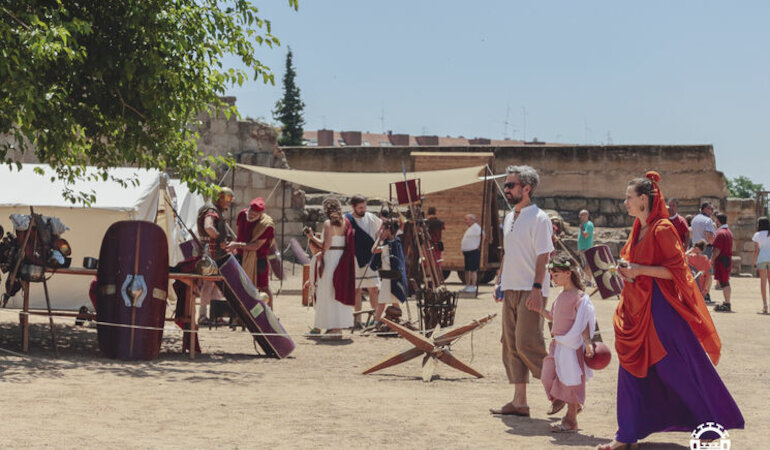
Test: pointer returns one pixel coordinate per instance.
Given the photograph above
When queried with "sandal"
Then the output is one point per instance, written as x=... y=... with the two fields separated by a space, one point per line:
x=562 y=428
x=315 y=333
x=203 y=321
x=556 y=406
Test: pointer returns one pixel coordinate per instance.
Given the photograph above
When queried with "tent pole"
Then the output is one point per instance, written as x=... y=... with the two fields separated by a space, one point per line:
x=283 y=221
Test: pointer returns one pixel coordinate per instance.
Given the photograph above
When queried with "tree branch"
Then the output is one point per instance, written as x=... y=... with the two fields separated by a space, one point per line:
x=16 y=18
x=126 y=105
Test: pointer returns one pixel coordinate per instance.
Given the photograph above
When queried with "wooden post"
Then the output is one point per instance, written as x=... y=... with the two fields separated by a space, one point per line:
x=191 y=316
x=24 y=318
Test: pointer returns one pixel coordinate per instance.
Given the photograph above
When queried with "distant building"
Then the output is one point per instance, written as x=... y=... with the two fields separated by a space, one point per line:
x=332 y=138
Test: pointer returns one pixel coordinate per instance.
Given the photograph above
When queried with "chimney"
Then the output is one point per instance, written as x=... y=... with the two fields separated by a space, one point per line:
x=326 y=138
x=480 y=141
x=427 y=140
x=398 y=139
x=351 y=137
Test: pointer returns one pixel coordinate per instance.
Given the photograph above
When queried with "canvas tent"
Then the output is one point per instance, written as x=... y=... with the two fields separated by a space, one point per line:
x=373 y=184
x=21 y=189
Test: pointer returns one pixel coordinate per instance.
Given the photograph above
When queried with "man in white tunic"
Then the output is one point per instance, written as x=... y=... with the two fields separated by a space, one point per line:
x=367 y=229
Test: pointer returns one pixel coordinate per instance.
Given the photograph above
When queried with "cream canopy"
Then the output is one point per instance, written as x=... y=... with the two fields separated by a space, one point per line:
x=373 y=185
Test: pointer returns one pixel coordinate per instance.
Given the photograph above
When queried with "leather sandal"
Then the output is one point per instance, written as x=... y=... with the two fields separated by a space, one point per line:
x=510 y=410
x=556 y=406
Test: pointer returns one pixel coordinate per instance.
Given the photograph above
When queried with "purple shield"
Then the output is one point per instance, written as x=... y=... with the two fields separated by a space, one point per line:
x=256 y=315
x=604 y=270
x=131 y=285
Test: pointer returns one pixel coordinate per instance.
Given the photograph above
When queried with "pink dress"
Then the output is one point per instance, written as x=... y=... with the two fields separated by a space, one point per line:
x=564 y=310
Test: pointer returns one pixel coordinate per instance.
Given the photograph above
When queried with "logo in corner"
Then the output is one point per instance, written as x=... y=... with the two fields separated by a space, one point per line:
x=710 y=436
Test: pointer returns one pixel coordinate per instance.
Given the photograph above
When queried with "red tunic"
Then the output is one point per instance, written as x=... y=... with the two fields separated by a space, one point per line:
x=681 y=227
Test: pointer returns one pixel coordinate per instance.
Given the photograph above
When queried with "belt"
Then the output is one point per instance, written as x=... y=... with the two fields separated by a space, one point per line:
x=336 y=248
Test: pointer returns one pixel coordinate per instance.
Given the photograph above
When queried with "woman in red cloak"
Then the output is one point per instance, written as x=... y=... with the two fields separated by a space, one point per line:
x=664 y=336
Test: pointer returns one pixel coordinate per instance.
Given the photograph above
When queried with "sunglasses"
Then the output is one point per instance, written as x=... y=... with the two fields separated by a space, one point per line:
x=511 y=185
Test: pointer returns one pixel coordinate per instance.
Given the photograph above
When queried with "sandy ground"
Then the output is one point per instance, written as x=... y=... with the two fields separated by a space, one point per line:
x=317 y=398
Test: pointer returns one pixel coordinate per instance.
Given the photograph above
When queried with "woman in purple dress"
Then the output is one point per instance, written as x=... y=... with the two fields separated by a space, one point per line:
x=665 y=339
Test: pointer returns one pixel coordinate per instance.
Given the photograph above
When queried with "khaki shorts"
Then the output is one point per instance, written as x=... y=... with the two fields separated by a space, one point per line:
x=765 y=265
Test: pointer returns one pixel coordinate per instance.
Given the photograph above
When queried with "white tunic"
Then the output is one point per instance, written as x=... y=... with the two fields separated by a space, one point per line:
x=329 y=313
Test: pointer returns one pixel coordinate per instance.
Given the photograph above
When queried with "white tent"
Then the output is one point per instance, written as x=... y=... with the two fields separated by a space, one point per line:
x=21 y=189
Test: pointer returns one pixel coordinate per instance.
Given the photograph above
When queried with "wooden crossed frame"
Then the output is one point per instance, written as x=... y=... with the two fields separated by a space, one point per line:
x=434 y=348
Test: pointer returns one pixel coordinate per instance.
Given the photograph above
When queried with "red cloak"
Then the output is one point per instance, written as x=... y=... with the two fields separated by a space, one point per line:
x=636 y=340
x=344 y=278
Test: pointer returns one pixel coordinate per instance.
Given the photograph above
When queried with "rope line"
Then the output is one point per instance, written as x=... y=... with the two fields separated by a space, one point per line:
x=183 y=331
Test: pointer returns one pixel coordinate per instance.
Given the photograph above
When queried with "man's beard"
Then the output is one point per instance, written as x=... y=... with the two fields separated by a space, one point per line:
x=513 y=199
x=355 y=213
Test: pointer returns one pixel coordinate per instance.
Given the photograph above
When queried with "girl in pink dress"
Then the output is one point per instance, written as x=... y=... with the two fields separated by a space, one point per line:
x=572 y=318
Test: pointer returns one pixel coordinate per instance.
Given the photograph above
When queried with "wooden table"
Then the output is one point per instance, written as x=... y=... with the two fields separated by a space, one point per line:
x=189 y=316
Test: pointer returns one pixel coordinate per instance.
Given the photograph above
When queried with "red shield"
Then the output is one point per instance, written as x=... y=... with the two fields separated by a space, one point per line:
x=258 y=317
x=604 y=270
x=132 y=280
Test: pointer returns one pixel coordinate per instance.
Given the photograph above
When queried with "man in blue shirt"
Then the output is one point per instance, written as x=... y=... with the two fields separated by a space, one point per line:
x=585 y=241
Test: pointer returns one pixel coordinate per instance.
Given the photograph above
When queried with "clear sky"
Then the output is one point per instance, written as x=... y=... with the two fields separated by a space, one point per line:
x=652 y=72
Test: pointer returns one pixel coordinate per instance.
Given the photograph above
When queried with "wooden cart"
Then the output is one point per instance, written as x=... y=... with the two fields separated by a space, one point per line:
x=452 y=205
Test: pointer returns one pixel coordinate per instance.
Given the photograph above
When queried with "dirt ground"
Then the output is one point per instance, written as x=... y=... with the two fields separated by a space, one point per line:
x=317 y=398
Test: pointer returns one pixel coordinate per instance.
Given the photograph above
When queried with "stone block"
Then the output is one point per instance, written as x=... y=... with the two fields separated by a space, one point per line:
x=217 y=126
x=748 y=246
x=242 y=177
x=571 y=204
x=608 y=206
x=258 y=180
x=599 y=221
x=548 y=203
x=293 y=228
x=736 y=269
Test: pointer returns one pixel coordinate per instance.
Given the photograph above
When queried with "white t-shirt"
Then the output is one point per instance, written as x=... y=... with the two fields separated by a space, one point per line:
x=762 y=238
x=702 y=223
x=523 y=240
x=471 y=238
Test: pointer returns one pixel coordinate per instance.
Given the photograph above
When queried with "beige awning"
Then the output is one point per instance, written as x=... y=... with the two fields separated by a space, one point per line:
x=372 y=185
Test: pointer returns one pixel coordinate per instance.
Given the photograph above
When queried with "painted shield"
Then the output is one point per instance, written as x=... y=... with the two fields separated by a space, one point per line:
x=276 y=264
x=131 y=285
x=604 y=270
x=244 y=298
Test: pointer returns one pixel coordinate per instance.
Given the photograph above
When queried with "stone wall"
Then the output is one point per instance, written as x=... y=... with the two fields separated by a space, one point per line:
x=254 y=143
x=742 y=221
x=571 y=177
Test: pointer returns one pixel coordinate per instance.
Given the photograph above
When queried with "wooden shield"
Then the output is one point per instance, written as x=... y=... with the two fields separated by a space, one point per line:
x=244 y=298
x=132 y=280
x=604 y=270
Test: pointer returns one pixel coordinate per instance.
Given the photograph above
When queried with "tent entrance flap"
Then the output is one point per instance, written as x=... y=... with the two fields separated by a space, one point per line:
x=372 y=184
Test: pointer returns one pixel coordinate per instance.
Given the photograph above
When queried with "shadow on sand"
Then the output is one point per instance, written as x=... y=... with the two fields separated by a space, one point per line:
x=79 y=349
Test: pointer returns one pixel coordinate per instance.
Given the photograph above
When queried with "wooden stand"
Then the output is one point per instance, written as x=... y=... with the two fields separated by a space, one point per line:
x=188 y=278
x=436 y=348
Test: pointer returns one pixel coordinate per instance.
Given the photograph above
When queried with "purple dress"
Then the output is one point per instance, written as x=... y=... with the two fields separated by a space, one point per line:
x=680 y=392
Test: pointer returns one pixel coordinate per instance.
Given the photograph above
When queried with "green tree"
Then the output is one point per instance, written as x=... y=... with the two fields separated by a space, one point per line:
x=115 y=83
x=288 y=110
x=743 y=187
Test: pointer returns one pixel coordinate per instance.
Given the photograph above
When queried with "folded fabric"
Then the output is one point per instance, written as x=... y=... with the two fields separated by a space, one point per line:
x=565 y=355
